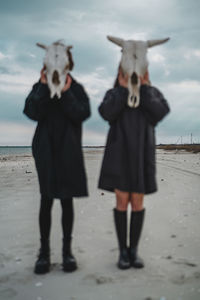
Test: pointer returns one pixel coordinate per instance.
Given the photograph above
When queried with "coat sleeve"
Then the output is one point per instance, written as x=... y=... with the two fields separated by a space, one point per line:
x=153 y=104
x=76 y=104
x=37 y=101
x=114 y=102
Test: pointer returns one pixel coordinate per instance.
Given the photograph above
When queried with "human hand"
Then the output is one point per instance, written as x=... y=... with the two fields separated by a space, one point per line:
x=43 y=77
x=145 y=79
x=67 y=83
x=123 y=79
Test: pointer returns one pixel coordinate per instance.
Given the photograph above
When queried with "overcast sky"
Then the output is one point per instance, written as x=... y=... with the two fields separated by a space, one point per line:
x=174 y=66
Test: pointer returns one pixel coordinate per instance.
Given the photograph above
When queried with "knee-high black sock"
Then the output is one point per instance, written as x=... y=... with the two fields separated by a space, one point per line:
x=67 y=217
x=45 y=217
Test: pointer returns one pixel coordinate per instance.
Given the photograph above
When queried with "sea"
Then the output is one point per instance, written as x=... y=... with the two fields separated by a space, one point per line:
x=26 y=150
x=15 y=150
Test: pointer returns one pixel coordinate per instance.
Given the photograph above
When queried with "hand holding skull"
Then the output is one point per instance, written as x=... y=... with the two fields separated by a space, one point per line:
x=123 y=79
x=67 y=83
x=43 y=78
x=145 y=79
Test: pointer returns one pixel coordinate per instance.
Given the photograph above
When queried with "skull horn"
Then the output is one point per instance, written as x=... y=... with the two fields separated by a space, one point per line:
x=42 y=46
x=116 y=40
x=152 y=43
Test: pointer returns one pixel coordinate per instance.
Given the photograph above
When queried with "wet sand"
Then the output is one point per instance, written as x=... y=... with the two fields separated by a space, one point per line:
x=170 y=243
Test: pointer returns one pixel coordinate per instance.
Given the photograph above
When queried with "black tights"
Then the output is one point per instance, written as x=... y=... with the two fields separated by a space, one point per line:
x=45 y=217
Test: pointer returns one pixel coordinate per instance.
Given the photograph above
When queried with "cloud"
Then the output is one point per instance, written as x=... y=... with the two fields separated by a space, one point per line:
x=174 y=66
x=2 y=56
x=32 y=55
x=192 y=54
x=15 y=76
x=93 y=138
x=160 y=62
x=18 y=83
x=14 y=133
x=157 y=58
x=4 y=70
x=96 y=82
x=185 y=106
x=186 y=86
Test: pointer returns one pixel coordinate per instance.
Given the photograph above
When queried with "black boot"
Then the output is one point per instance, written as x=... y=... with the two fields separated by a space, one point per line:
x=42 y=264
x=137 y=219
x=69 y=261
x=120 y=218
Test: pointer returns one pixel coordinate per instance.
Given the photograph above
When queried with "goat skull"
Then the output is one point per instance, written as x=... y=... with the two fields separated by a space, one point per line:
x=134 y=63
x=57 y=62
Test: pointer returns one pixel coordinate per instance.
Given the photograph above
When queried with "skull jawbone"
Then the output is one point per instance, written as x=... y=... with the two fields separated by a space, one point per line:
x=56 y=89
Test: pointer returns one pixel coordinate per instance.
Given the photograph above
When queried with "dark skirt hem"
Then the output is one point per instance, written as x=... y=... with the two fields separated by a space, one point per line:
x=111 y=189
x=63 y=196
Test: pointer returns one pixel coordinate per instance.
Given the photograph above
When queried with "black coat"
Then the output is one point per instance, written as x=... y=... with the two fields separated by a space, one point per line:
x=129 y=157
x=56 y=143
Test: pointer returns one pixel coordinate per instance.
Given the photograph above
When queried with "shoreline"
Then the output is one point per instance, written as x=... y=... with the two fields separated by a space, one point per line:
x=195 y=148
x=170 y=150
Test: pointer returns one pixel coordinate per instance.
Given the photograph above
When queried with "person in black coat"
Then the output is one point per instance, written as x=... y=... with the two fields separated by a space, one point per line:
x=129 y=167
x=57 y=152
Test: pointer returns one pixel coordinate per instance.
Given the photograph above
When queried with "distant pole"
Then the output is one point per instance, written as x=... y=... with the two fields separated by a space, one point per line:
x=177 y=140
x=191 y=138
x=181 y=140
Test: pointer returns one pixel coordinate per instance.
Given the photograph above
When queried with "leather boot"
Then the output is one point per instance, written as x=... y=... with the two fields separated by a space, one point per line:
x=42 y=264
x=69 y=261
x=120 y=218
x=137 y=219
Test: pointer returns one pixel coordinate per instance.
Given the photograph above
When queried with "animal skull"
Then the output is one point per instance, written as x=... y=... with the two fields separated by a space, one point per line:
x=57 y=63
x=134 y=63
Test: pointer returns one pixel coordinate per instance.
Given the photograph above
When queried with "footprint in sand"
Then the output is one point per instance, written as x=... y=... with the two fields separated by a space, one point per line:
x=80 y=250
x=7 y=293
x=183 y=261
x=103 y=280
x=99 y=279
x=114 y=249
x=109 y=232
x=30 y=252
x=183 y=278
x=4 y=257
x=4 y=278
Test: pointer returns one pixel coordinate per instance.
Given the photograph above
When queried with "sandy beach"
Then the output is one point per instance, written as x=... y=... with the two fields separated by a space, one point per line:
x=170 y=243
